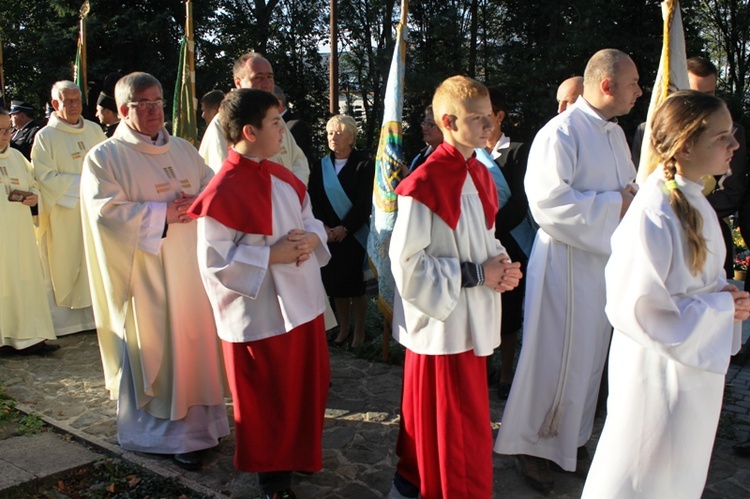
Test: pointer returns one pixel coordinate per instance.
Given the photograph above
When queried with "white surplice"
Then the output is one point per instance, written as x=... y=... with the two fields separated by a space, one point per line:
x=674 y=334
x=214 y=148
x=24 y=315
x=57 y=157
x=150 y=305
x=577 y=165
x=432 y=313
x=255 y=300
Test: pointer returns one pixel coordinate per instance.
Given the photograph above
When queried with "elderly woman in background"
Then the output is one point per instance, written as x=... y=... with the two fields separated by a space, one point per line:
x=341 y=195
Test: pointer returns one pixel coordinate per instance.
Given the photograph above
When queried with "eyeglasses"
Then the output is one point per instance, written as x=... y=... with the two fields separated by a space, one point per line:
x=428 y=125
x=148 y=104
x=5 y=131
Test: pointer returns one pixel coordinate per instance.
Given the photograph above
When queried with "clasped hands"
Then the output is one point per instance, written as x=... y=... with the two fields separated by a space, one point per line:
x=500 y=274
x=336 y=234
x=296 y=247
x=741 y=302
x=177 y=209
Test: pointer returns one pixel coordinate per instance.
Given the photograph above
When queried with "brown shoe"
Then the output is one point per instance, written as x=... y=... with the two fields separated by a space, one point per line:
x=536 y=472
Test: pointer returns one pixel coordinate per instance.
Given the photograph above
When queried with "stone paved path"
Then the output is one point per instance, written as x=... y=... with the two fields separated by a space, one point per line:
x=359 y=436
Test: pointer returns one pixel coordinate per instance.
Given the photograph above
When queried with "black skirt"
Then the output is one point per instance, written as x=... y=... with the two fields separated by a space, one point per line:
x=343 y=277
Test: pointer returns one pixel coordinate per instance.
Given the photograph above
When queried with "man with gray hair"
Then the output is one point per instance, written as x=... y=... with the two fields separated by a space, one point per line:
x=57 y=156
x=252 y=70
x=157 y=336
x=579 y=184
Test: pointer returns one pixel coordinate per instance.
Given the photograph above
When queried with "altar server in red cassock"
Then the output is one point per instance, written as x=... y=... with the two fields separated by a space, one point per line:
x=449 y=272
x=260 y=254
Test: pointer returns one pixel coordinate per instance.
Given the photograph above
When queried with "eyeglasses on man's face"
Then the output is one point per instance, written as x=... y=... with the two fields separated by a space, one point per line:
x=143 y=105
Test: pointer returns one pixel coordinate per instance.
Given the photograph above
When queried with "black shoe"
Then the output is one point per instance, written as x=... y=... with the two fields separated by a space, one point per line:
x=536 y=472
x=283 y=494
x=190 y=461
x=42 y=348
x=583 y=464
x=503 y=390
x=742 y=449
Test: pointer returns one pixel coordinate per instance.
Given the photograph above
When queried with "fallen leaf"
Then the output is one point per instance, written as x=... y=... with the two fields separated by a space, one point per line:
x=133 y=480
x=110 y=488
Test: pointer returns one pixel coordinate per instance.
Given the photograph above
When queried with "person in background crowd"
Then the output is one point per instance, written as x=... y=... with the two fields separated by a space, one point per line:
x=568 y=92
x=431 y=135
x=25 y=320
x=57 y=158
x=341 y=196
x=506 y=161
x=24 y=127
x=210 y=105
x=252 y=70
x=298 y=127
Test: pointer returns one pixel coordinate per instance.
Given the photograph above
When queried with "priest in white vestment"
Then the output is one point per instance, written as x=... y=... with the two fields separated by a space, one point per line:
x=57 y=156
x=579 y=185
x=252 y=70
x=157 y=336
x=25 y=321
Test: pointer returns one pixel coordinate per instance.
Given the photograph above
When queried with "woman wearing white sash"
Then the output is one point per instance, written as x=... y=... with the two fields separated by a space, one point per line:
x=340 y=190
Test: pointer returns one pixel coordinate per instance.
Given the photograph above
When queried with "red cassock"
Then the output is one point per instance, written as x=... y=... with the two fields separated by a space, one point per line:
x=280 y=383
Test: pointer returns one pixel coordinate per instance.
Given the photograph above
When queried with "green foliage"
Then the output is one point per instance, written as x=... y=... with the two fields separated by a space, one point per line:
x=526 y=48
x=31 y=424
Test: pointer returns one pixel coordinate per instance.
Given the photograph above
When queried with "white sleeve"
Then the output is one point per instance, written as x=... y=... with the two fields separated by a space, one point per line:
x=582 y=219
x=152 y=227
x=696 y=329
x=231 y=259
x=430 y=283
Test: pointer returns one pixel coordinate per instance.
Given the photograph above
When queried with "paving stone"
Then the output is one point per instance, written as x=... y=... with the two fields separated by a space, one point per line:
x=360 y=428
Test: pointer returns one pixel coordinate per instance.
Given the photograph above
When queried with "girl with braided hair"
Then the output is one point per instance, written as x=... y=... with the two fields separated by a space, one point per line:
x=676 y=320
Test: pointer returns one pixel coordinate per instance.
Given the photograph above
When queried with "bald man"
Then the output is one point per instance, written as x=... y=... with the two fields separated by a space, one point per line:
x=252 y=70
x=579 y=185
x=568 y=92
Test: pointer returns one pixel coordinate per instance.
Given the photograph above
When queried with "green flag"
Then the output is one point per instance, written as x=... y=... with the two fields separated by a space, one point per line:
x=79 y=69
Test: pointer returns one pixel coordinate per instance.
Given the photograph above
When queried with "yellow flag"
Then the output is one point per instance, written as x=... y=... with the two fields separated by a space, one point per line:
x=671 y=77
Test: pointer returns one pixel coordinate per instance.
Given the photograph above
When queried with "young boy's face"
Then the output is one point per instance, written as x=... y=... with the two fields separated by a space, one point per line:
x=269 y=136
x=471 y=126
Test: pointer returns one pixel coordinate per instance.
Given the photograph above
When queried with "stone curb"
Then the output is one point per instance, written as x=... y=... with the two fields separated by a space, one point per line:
x=100 y=445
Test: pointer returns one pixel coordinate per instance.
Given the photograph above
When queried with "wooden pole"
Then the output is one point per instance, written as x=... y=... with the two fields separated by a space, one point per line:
x=85 y=8
x=333 y=78
x=5 y=102
x=191 y=53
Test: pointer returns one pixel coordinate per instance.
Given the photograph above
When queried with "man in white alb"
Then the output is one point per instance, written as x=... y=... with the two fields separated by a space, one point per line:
x=57 y=156
x=579 y=184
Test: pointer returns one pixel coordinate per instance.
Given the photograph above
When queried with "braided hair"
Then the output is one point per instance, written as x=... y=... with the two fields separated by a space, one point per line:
x=678 y=123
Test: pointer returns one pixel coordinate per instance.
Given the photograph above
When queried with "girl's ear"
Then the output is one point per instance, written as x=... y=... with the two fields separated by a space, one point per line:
x=683 y=153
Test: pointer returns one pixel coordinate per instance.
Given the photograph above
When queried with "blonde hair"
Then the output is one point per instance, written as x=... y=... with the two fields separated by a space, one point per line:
x=678 y=123
x=452 y=93
x=345 y=123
